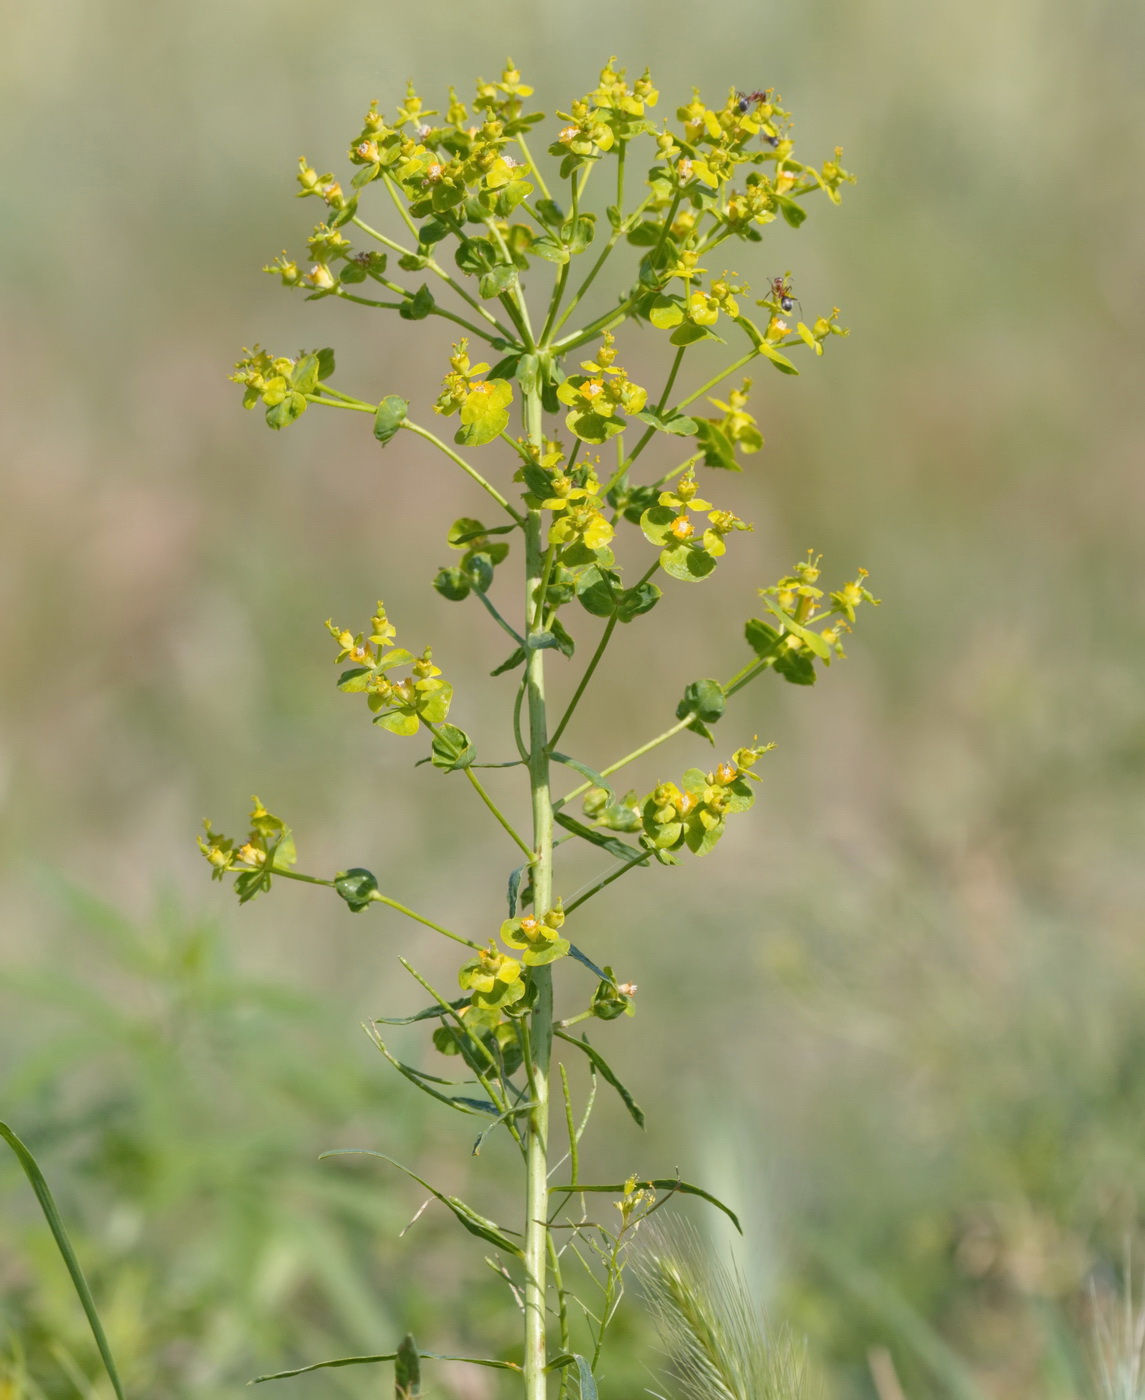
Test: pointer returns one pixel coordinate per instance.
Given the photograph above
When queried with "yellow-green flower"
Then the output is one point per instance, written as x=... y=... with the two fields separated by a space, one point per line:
x=539 y=937
x=493 y=978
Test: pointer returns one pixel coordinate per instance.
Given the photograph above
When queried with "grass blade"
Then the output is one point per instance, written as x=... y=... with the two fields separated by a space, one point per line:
x=64 y=1245
x=385 y=1356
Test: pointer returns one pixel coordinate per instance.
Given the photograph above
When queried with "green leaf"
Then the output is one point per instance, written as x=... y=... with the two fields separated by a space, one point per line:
x=391 y=414
x=67 y=1253
x=510 y=663
x=565 y=644
x=579 y=233
x=688 y=333
x=805 y=634
x=792 y=211
x=634 y=602
x=598 y=590
x=407 y=1370
x=796 y=667
x=386 y=1356
x=645 y=235
x=761 y=636
x=452 y=583
x=432 y=232
x=705 y=699
x=325 y=363
x=549 y=212
x=436 y=1011
x=356 y=886
x=497 y=281
x=537 y=957
x=620 y=849
x=304 y=375
x=550 y=249
x=452 y=749
x=781 y=362
x=666 y=313
x=689 y=562
x=584 y=1372
x=593 y=427
x=476 y=1224
x=662 y=1183
x=602 y=1067
x=677 y=423
x=285 y=412
x=718 y=450
x=585 y=771
x=420 y=307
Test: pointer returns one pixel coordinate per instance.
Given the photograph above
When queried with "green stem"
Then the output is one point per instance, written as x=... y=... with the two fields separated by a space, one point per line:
x=676 y=363
x=465 y=467
x=711 y=384
x=484 y=796
x=438 y=271
x=584 y=680
x=498 y=619
x=379 y=898
x=532 y=164
x=641 y=859
x=541 y=1027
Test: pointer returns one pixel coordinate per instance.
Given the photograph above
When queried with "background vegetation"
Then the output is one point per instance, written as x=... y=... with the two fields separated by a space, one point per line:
x=921 y=1067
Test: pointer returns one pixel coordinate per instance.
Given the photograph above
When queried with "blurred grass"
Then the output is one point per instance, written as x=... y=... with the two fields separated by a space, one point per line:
x=922 y=968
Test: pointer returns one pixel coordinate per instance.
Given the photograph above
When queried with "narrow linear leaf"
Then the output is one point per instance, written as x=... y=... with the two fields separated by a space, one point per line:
x=501 y=1118
x=478 y=1108
x=660 y=1183
x=586 y=961
x=386 y=1356
x=67 y=1253
x=604 y=1069
x=584 y=1372
x=429 y=1013
x=476 y=1224
x=620 y=849
x=585 y=771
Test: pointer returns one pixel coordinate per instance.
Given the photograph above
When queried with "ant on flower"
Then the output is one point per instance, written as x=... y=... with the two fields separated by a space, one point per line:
x=781 y=293
x=747 y=99
x=744 y=100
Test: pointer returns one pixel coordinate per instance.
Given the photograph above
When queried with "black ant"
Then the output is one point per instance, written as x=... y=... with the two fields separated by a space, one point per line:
x=781 y=292
x=748 y=99
x=744 y=100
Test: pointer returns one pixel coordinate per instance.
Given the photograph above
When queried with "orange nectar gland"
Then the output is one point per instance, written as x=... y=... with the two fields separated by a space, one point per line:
x=682 y=528
x=726 y=773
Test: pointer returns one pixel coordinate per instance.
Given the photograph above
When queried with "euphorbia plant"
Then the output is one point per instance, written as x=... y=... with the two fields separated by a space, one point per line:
x=476 y=223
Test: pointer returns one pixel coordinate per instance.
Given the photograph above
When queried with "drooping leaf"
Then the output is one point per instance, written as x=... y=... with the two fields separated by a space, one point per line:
x=476 y=1224
x=585 y=771
x=661 y=1183
x=602 y=1067
x=620 y=849
x=386 y=1356
x=510 y=663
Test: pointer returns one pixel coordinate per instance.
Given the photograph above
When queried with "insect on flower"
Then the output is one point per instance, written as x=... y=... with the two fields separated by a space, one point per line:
x=750 y=99
x=781 y=292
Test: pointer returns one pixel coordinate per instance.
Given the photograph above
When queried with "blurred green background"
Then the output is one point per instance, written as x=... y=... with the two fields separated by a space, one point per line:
x=897 y=1019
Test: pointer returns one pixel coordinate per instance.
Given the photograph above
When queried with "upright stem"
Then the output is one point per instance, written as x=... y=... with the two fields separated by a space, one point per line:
x=541 y=1036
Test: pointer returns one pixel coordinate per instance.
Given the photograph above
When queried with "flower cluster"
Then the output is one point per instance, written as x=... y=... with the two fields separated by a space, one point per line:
x=806 y=629
x=696 y=814
x=669 y=525
x=598 y=398
x=493 y=978
x=399 y=706
x=268 y=848
x=482 y=403
x=284 y=385
x=539 y=936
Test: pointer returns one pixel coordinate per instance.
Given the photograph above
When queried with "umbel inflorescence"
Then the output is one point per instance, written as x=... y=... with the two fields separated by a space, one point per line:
x=447 y=214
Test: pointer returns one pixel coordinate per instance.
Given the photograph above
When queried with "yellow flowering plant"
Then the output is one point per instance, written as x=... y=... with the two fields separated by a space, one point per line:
x=445 y=213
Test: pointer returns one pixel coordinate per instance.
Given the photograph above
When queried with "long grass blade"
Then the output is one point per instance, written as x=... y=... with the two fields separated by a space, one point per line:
x=64 y=1245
